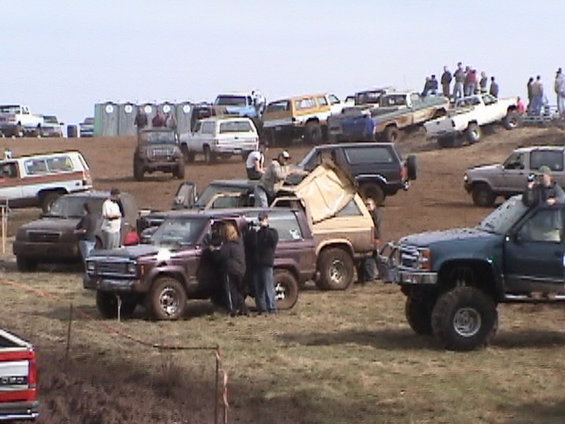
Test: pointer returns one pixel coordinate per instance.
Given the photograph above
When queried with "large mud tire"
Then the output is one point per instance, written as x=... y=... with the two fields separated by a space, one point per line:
x=391 y=134
x=512 y=120
x=464 y=318
x=286 y=289
x=48 y=198
x=336 y=269
x=473 y=133
x=412 y=167
x=418 y=311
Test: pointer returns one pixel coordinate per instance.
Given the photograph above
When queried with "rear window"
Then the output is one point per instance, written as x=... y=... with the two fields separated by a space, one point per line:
x=551 y=158
x=231 y=100
x=50 y=120
x=368 y=155
x=48 y=165
x=393 y=100
x=286 y=225
x=235 y=127
x=280 y=106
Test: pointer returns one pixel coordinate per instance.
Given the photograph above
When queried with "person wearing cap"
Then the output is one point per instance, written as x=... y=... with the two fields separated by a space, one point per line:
x=255 y=163
x=272 y=179
x=263 y=246
x=542 y=188
x=111 y=220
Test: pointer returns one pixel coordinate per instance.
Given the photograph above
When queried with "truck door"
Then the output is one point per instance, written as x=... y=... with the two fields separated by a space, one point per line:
x=534 y=252
x=514 y=175
x=10 y=182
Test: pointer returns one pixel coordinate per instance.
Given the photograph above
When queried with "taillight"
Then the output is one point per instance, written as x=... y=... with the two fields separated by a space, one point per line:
x=32 y=373
x=403 y=172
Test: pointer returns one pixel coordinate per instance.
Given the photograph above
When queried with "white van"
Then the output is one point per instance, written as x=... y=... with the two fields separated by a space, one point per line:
x=38 y=180
x=220 y=137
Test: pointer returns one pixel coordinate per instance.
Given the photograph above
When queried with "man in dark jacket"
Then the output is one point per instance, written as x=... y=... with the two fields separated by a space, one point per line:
x=446 y=81
x=368 y=269
x=85 y=232
x=232 y=259
x=140 y=119
x=543 y=189
x=264 y=244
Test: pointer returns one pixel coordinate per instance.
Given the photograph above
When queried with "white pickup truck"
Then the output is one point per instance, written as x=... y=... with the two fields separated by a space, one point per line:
x=469 y=115
x=18 y=121
x=220 y=137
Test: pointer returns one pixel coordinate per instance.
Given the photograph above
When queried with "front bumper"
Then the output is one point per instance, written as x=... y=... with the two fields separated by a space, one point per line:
x=110 y=284
x=10 y=411
x=392 y=271
x=52 y=251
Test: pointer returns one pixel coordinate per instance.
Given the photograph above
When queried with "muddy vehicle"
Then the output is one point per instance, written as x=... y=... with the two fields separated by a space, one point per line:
x=454 y=279
x=341 y=224
x=158 y=150
x=486 y=183
x=396 y=112
x=179 y=263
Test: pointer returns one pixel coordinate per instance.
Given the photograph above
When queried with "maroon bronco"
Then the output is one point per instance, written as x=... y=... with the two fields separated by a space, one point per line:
x=178 y=264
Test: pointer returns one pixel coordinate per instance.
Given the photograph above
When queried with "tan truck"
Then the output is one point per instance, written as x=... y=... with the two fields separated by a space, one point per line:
x=341 y=224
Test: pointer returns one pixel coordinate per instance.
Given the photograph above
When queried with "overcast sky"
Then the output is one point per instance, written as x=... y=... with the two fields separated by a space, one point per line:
x=63 y=56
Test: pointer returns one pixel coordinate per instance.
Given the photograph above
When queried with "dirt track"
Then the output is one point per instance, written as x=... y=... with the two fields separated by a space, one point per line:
x=123 y=389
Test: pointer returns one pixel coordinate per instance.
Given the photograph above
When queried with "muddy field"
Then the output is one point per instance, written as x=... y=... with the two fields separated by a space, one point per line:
x=335 y=358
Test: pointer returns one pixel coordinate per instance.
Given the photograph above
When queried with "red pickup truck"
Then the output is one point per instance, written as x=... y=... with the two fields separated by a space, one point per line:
x=18 y=379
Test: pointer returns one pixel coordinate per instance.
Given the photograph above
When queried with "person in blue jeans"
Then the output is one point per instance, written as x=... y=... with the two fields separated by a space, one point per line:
x=264 y=244
x=85 y=232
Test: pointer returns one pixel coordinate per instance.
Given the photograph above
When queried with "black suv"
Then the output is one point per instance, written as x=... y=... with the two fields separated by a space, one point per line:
x=377 y=168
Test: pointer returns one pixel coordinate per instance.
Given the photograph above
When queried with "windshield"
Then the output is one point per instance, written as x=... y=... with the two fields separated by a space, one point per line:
x=231 y=101
x=10 y=109
x=73 y=207
x=177 y=232
x=158 y=137
x=311 y=160
x=500 y=221
x=210 y=191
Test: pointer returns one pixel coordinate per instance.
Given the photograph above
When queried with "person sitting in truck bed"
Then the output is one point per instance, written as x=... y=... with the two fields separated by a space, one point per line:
x=542 y=188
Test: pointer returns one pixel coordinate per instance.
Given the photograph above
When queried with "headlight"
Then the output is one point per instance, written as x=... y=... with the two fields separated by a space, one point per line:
x=465 y=178
x=425 y=259
x=132 y=268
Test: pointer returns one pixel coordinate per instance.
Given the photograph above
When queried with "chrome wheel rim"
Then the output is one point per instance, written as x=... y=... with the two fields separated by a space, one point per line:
x=467 y=322
x=169 y=301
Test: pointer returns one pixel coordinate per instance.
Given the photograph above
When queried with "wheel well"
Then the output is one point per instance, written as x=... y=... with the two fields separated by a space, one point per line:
x=342 y=245
x=479 y=274
x=511 y=109
x=176 y=275
x=315 y=120
x=392 y=125
x=43 y=193
x=476 y=183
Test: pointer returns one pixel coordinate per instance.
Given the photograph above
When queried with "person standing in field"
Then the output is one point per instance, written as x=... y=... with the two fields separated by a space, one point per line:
x=112 y=220
x=483 y=83
x=446 y=78
x=459 y=76
x=493 y=91
x=140 y=119
x=537 y=96
x=232 y=260
x=368 y=269
x=560 y=91
x=84 y=231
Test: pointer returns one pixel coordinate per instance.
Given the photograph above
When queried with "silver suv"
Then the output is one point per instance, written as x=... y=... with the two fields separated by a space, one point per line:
x=486 y=183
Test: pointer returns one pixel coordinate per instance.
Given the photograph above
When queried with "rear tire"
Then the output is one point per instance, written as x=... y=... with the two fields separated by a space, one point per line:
x=464 y=318
x=47 y=200
x=286 y=289
x=188 y=155
x=391 y=134
x=473 y=133
x=336 y=269
x=483 y=195
x=209 y=157
x=446 y=141
x=411 y=167
x=512 y=120
x=179 y=171
x=313 y=133
x=374 y=191
x=138 y=170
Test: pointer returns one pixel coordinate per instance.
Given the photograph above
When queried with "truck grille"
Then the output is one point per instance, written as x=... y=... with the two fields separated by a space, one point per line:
x=162 y=153
x=43 y=237
x=409 y=257
x=112 y=268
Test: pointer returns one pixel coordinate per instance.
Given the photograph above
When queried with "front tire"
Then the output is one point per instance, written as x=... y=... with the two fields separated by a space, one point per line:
x=483 y=195
x=167 y=299
x=107 y=304
x=179 y=171
x=313 y=133
x=464 y=318
x=391 y=134
x=209 y=157
x=26 y=264
x=138 y=170
x=511 y=120
x=336 y=269
x=47 y=200
x=418 y=311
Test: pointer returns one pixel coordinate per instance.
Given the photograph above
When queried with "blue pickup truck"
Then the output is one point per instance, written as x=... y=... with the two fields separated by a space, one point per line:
x=395 y=112
x=454 y=279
